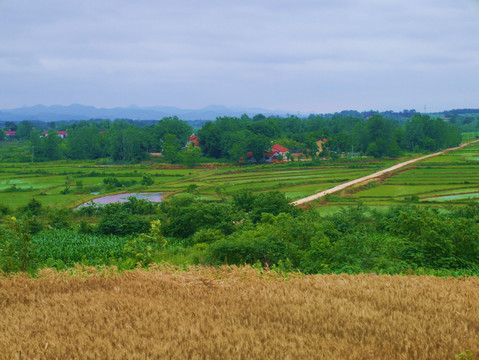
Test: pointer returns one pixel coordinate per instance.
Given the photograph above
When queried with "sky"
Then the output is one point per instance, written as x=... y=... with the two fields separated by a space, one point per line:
x=293 y=55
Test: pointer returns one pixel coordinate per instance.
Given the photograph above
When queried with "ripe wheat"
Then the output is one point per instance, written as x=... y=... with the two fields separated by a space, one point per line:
x=235 y=313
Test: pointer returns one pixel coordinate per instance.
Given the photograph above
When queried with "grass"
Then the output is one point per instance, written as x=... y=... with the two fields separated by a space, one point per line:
x=235 y=313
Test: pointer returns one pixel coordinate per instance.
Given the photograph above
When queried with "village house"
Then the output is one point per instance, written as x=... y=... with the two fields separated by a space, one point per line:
x=193 y=139
x=279 y=150
x=277 y=153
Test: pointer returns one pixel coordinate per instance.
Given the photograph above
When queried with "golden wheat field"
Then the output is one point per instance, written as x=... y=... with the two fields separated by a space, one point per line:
x=235 y=313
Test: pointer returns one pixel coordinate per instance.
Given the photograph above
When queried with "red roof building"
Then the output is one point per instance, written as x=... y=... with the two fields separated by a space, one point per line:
x=280 y=149
x=193 y=139
x=10 y=133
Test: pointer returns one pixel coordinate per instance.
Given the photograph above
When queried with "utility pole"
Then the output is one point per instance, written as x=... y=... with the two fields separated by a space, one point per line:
x=33 y=152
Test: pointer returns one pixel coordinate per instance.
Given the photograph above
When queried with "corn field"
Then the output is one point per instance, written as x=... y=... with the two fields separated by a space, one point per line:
x=70 y=247
x=235 y=313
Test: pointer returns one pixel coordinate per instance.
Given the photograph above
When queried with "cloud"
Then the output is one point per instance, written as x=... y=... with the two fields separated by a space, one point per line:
x=238 y=52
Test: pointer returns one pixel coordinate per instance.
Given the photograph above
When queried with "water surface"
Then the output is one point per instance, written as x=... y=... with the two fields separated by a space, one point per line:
x=153 y=197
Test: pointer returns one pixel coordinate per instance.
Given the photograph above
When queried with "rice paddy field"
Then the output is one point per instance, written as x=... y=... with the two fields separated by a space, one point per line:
x=452 y=179
x=72 y=183
x=235 y=313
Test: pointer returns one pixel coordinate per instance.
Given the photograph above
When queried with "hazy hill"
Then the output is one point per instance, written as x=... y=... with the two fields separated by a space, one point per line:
x=82 y=112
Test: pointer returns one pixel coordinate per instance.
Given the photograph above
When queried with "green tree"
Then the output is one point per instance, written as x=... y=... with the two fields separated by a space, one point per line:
x=51 y=147
x=83 y=142
x=24 y=128
x=190 y=156
x=170 y=148
x=147 y=180
x=180 y=129
x=124 y=142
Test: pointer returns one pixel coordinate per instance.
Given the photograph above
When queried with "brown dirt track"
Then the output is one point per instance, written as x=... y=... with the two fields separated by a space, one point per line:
x=235 y=313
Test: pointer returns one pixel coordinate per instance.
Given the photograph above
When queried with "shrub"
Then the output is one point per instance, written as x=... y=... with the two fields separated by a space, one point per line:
x=147 y=180
x=122 y=223
x=16 y=244
x=145 y=247
x=33 y=207
x=59 y=218
x=4 y=209
x=185 y=216
x=207 y=236
x=272 y=202
x=249 y=248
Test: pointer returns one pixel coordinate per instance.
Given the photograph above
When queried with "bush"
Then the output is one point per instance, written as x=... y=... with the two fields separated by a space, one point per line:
x=34 y=207
x=59 y=218
x=122 y=223
x=147 y=180
x=207 y=236
x=4 y=209
x=185 y=216
x=144 y=249
x=249 y=248
x=16 y=244
x=272 y=202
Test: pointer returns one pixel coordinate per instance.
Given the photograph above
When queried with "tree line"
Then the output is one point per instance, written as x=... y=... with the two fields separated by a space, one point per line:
x=238 y=138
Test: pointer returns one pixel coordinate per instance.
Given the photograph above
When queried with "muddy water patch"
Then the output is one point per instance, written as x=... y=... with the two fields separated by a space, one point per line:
x=108 y=199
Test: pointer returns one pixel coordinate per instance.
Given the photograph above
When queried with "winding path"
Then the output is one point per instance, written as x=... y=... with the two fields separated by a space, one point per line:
x=374 y=175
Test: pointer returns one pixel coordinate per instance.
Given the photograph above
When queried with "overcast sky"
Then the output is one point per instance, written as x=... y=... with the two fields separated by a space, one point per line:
x=296 y=55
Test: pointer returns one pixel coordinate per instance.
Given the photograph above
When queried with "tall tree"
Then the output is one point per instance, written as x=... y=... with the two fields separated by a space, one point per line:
x=24 y=129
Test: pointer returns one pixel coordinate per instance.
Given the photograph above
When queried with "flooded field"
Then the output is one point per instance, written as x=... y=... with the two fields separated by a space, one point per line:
x=153 y=197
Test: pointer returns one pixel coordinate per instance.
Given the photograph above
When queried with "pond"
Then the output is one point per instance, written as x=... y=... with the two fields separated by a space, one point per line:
x=153 y=197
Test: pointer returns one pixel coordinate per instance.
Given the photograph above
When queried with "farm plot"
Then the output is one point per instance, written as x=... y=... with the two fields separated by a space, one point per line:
x=73 y=183
x=294 y=182
x=236 y=313
x=451 y=178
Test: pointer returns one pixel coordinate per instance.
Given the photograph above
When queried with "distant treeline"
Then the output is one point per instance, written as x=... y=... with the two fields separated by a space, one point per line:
x=236 y=139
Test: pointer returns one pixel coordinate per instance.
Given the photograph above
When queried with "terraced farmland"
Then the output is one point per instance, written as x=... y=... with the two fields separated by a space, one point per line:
x=452 y=178
x=73 y=183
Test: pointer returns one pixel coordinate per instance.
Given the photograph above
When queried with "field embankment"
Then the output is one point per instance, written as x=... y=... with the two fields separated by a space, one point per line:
x=236 y=313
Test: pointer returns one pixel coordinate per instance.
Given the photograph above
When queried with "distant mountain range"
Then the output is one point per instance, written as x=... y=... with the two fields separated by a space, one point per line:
x=133 y=112
x=77 y=112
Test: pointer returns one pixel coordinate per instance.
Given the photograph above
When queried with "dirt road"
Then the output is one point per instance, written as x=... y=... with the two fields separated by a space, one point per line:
x=374 y=176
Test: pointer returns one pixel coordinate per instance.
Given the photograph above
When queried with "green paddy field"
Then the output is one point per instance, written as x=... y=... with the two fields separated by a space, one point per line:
x=452 y=178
